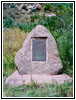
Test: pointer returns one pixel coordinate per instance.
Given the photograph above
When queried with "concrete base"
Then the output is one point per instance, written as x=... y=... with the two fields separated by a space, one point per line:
x=16 y=79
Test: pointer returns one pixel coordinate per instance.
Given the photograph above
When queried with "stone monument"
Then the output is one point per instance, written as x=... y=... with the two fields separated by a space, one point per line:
x=39 y=53
x=38 y=57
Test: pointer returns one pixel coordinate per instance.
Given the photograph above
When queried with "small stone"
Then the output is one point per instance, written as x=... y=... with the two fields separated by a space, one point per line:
x=29 y=11
x=50 y=15
x=39 y=6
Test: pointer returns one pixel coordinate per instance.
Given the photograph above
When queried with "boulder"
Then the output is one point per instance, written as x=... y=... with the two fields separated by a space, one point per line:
x=35 y=61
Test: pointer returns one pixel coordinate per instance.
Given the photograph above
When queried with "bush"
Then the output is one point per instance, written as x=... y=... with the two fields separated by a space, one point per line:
x=8 y=22
x=33 y=18
x=50 y=7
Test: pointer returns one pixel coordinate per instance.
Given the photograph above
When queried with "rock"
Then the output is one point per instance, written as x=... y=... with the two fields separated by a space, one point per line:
x=20 y=7
x=39 y=6
x=16 y=79
x=30 y=7
x=23 y=6
x=24 y=57
x=29 y=11
x=33 y=7
x=50 y=15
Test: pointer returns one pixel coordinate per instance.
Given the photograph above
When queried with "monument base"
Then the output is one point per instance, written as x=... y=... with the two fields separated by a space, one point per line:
x=16 y=79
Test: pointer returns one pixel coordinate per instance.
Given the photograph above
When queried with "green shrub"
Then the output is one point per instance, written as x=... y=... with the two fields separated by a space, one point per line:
x=27 y=27
x=8 y=22
x=65 y=46
x=49 y=6
x=33 y=18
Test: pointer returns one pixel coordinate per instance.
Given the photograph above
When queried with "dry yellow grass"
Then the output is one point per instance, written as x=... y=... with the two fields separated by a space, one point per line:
x=12 y=40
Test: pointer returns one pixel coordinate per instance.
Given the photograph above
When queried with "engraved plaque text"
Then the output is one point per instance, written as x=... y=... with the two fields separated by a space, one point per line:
x=39 y=50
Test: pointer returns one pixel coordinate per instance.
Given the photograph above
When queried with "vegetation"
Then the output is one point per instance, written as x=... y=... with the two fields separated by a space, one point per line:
x=35 y=90
x=61 y=27
x=8 y=22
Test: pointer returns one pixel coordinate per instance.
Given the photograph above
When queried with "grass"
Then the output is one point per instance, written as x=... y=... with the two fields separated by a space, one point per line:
x=12 y=42
x=35 y=90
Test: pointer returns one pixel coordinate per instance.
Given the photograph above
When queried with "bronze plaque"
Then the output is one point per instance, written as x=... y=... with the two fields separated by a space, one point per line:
x=39 y=50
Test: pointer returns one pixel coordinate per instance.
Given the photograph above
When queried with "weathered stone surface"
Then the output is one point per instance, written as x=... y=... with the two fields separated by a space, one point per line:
x=23 y=58
x=16 y=79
